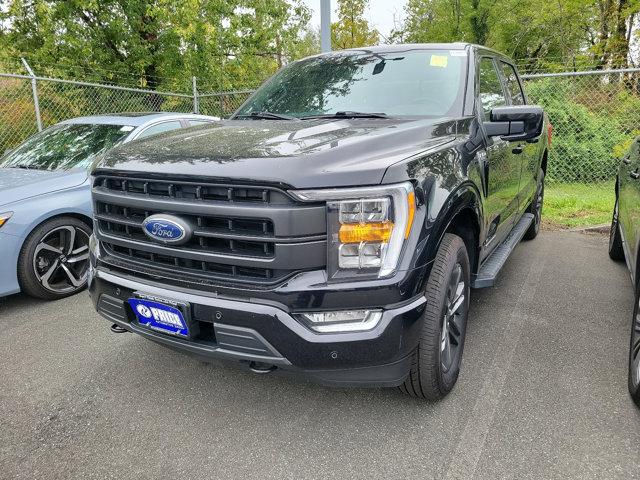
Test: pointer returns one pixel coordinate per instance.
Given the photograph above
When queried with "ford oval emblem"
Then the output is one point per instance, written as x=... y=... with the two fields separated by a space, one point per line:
x=167 y=229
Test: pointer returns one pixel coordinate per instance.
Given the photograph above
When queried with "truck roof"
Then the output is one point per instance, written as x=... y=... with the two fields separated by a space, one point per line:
x=403 y=47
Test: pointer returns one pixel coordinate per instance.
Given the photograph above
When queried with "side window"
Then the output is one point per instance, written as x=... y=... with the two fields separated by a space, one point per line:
x=159 y=128
x=513 y=85
x=490 y=88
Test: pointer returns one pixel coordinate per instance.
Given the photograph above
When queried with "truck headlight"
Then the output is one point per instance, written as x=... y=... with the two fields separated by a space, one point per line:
x=366 y=227
x=4 y=217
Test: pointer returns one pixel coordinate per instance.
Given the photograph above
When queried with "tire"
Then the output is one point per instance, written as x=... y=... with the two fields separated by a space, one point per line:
x=54 y=259
x=634 y=352
x=433 y=372
x=616 y=252
x=535 y=208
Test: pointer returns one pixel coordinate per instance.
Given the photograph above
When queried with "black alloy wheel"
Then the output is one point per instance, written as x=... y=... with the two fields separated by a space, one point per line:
x=54 y=261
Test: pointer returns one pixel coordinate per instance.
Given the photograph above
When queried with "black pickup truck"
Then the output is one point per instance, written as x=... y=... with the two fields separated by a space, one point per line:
x=334 y=226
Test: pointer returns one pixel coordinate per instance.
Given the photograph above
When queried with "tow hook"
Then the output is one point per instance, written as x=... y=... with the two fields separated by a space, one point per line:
x=115 y=328
x=261 y=368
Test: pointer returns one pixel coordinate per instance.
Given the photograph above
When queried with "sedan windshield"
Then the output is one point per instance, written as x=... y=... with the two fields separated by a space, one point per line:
x=422 y=83
x=62 y=147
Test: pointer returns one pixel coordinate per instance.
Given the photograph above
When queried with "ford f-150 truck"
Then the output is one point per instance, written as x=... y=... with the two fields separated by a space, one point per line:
x=333 y=227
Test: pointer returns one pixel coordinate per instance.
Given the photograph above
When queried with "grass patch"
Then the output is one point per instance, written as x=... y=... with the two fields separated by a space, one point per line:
x=571 y=205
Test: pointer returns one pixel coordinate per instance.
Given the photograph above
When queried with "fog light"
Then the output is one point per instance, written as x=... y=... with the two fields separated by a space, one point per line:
x=342 y=321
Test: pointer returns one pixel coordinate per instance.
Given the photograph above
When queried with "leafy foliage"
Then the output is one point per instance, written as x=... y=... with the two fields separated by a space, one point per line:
x=542 y=35
x=587 y=143
x=352 y=29
x=157 y=43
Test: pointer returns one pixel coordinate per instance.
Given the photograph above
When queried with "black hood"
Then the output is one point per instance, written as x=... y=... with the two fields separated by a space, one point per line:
x=299 y=154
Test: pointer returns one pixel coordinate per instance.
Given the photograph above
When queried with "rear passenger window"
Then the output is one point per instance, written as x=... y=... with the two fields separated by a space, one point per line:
x=159 y=128
x=513 y=85
x=491 y=91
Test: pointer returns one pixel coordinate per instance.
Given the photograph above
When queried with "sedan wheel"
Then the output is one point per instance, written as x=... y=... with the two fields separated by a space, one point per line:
x=54 y=261
x=61 y=259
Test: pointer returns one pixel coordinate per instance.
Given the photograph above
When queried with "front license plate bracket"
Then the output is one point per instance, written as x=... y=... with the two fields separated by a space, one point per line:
x=163 y=315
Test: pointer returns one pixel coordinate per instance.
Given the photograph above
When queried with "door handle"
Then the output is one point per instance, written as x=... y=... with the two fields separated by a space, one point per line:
x=635 y=174
x=626 y=160
x=517 y=149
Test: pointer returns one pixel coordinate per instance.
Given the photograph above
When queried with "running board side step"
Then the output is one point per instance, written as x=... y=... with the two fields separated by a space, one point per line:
x=489 y=270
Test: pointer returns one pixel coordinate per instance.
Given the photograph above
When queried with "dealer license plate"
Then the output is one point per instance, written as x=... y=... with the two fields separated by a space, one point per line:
x=160 y=316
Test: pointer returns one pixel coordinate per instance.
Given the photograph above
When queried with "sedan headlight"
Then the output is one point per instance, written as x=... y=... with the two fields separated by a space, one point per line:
x=4 y=217
x=366 y=228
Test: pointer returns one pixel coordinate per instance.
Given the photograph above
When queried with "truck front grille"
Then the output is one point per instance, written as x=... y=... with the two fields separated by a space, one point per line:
x=245 y=234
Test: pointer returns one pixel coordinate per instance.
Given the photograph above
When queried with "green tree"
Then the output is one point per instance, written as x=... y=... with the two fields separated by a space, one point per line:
x=157 y=43
x=352 y=29
x=541 y=35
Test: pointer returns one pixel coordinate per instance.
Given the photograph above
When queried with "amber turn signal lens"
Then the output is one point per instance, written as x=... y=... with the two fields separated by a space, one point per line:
x=4 y=217
x=411 y=200
x=365 y=232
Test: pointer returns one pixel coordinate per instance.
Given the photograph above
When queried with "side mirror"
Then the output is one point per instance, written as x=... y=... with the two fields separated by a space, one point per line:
x=520 y=122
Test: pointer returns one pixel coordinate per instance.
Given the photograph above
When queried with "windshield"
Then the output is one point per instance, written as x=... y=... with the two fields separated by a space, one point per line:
x=62 y=147
x=427 y=83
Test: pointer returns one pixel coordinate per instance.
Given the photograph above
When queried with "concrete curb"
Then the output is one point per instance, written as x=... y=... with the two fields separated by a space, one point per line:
x=595 y=229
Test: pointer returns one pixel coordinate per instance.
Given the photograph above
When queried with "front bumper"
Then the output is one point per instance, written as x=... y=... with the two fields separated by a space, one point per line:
x=265 y=334
x=9 y=251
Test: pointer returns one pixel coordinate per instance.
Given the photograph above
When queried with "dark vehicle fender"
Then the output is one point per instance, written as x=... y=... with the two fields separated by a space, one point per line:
x=461 y=213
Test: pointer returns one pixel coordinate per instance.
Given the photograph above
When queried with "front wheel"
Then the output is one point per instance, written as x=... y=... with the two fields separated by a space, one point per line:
x=436 y=362
x=634 y=352
x=535 y=208
x=54 y=260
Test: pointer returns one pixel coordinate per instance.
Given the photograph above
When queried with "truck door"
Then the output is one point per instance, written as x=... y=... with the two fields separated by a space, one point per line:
x=629 y=201
x=503 y=176
x=526 y=153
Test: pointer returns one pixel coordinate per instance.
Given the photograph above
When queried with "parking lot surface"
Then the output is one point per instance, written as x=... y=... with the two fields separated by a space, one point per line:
x=542 y=394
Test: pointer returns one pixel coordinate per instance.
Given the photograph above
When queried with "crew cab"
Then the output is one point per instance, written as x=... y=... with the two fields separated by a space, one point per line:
x=333 y=227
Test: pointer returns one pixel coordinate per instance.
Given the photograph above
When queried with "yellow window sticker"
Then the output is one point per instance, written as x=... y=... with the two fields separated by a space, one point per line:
x=439 y=61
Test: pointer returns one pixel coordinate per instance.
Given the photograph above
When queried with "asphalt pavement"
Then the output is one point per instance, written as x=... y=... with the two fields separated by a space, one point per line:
x=542 y=394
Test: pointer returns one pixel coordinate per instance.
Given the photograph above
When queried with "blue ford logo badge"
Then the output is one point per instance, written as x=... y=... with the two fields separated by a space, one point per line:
x=167 y=228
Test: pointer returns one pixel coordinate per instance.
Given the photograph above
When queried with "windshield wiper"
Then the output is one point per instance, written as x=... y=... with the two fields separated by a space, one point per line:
x=347 y=114
x=266 y=116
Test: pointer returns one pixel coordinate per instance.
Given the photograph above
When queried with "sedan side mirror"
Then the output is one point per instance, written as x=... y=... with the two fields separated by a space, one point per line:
x=520 y=122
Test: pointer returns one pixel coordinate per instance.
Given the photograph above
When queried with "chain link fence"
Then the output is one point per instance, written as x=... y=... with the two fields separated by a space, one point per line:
x=595 y=117
x=29 y=103
x=595 y=114
x=222 y=104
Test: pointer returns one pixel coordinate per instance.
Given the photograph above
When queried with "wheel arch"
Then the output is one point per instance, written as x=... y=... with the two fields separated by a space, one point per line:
x=82 y=216
x=462 y=215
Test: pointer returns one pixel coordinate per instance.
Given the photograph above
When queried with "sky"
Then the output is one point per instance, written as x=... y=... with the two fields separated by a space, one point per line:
x=379 y=14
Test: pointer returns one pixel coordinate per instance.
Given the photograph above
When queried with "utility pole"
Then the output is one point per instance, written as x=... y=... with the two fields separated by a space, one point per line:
x=325 y=25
